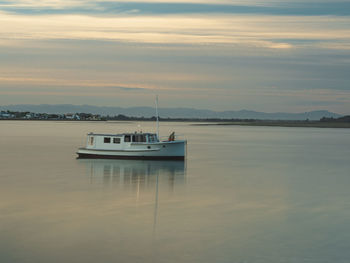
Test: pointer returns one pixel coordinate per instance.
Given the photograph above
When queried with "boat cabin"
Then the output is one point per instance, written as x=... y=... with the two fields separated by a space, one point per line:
x=119 y=141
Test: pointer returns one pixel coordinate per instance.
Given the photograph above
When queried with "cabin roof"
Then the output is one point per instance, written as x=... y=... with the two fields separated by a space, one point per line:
x=121 y=134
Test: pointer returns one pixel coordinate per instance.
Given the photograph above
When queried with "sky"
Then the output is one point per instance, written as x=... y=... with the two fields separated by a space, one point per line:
x=272 y=56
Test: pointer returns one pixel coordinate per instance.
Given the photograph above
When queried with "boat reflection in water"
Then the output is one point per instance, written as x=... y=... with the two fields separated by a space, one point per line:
x=143 y=179
x=135 y=174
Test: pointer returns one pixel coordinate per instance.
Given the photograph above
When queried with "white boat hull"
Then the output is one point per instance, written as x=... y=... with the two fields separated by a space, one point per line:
x=170 y=150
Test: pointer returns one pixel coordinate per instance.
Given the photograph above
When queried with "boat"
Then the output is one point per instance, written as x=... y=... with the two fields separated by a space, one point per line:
x=136 y=145
x=132 y=146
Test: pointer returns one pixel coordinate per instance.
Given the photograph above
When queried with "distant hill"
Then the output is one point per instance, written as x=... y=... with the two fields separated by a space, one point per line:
x=341 y=119
x=169 y=112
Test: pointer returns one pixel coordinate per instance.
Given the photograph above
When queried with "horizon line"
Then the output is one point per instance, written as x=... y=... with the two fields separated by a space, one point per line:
x=191 y=108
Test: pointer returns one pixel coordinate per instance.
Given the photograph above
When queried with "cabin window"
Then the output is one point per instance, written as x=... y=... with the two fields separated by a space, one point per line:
x=127 y=138
x=152 y=138
x=139 y=138
x=116 y=140
x=107 y=139
x=91 y=140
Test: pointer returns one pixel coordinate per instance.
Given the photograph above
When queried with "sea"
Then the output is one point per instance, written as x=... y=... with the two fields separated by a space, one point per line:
x=243 y=194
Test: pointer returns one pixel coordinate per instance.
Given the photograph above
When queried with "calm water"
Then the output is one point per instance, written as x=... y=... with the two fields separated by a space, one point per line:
x=245 y=194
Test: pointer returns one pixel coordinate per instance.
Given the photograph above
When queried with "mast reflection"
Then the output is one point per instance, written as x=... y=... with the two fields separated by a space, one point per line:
x=138 y=176
x=135 y=174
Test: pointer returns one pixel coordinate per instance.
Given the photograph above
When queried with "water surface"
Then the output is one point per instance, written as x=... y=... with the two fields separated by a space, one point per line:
x=245 y=194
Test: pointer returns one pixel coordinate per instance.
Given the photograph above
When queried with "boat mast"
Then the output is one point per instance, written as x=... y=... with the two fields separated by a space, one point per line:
x=157 y=116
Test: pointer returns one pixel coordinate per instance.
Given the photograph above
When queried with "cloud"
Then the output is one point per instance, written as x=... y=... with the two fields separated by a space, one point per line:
x=161 y=7
x=45 y=83
x=57 y=51
x=275 y=8
x=254 y=31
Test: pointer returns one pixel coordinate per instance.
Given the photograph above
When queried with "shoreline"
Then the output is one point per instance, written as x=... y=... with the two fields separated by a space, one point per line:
x=261 y=123
x=301 y=124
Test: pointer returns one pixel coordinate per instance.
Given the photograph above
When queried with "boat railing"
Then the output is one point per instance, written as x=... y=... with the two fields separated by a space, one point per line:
x=176 y=137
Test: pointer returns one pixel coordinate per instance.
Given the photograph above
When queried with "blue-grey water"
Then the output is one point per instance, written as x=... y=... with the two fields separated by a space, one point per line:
x=245 y=194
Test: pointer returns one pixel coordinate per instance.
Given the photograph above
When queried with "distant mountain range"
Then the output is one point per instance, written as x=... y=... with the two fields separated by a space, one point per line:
x=169 y=112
